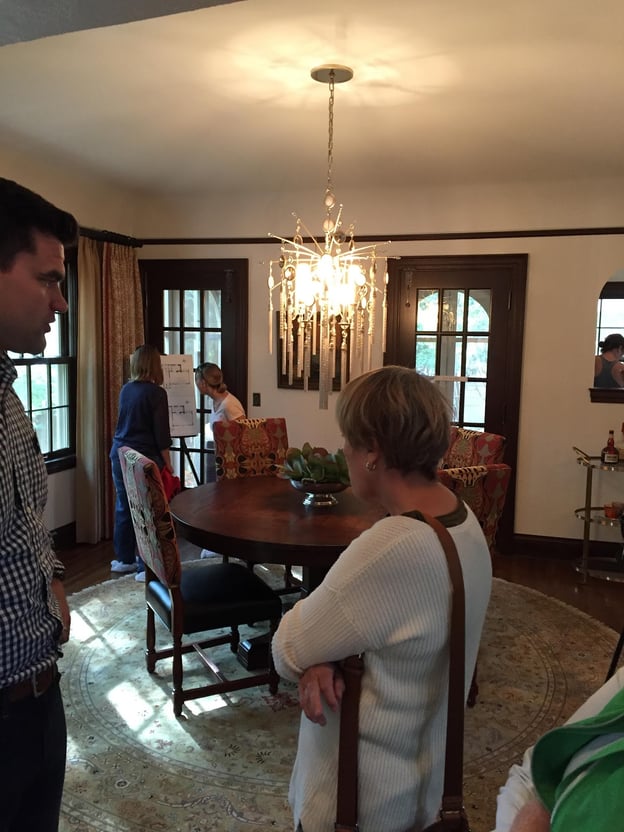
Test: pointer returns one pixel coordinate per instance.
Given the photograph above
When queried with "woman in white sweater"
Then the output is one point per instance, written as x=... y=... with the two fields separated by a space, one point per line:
x=388 y=596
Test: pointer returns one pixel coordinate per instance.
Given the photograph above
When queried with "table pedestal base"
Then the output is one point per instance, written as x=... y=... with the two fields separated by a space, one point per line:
x=253 y=653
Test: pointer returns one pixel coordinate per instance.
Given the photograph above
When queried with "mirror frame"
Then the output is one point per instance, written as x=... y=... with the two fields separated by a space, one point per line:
x=609 y=395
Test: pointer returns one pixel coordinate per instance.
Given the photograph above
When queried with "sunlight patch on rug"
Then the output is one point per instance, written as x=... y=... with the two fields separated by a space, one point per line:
x=225 y=765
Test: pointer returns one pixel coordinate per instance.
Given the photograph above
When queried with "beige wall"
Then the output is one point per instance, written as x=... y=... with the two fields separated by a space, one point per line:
x=564 y=279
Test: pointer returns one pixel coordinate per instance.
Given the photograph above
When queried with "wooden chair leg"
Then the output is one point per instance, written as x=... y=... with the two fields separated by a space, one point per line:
x=474 y=690
x=177 y=673
x=616 y=657
x=150 y=642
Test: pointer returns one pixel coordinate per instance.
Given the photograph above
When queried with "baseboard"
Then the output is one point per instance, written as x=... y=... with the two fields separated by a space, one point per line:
x=64 y=537
x=557 y=547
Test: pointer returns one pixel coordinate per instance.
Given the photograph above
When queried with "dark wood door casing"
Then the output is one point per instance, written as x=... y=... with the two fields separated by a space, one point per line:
x=505 y=275
x=231 y=277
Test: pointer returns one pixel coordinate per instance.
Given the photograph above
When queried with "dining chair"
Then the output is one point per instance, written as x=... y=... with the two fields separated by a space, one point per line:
x=192 y=599
x=250 y=447
x=253 y=448
x=474 y=470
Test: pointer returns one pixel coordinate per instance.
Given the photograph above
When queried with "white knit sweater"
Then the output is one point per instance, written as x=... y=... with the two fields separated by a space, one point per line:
x=388 y=595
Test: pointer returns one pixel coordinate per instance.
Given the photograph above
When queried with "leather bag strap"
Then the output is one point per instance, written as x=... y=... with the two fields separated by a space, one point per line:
x=346 y=806
x=353 y=668
x=452 y=799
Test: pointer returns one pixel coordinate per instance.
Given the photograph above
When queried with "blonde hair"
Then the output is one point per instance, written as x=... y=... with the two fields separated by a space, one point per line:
x=211 y=374
x=145 y=364
x=401 y=413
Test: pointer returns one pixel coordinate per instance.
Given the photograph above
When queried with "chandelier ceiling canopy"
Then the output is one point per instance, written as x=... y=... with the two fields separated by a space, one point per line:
x=328 y=289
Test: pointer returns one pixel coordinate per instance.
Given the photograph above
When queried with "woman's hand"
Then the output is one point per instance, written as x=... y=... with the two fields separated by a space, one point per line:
x=533 y=817
x=321 y=681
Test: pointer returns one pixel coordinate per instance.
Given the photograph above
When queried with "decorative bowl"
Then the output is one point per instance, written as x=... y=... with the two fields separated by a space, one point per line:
x=318 y=494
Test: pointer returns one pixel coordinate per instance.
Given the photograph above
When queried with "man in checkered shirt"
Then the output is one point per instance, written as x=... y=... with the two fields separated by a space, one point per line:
x=34 y=616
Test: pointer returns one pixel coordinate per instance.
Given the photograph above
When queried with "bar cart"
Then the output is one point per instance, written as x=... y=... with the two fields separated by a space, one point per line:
x=606 y=568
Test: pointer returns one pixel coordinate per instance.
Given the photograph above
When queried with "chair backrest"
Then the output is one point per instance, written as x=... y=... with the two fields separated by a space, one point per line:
x=472 y=447
x=153 y=524
x=250 y=447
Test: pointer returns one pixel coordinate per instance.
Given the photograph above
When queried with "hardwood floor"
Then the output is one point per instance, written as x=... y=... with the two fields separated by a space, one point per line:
x=604 y=600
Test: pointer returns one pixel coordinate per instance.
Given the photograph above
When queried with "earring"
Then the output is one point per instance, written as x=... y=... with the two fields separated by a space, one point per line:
x=370 y=466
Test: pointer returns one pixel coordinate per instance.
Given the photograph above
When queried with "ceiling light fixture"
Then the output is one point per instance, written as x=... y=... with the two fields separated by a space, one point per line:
x=328 y=291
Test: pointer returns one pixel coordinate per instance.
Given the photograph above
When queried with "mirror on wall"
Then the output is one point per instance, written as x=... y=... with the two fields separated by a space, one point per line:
x=610 y=332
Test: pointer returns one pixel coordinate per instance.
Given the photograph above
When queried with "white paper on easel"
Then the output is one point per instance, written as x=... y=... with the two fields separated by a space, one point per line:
x=179 y=382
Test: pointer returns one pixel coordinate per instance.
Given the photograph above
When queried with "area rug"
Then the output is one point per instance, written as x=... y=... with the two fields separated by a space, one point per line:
x=225 y=765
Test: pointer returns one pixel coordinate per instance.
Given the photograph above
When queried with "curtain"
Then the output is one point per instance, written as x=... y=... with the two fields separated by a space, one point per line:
x=123 y=332
x=90 y=455
x=111 y=330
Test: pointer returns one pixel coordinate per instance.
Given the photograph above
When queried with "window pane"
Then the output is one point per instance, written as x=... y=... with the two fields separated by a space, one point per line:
x=451 y=390
x=452 y=310
x=39 y=386
x=425 y=354
x=474 y=403
x=59 y=383
x=192 y=345
x=450 y=355
x=479 y=307
x=476 y=356
x=60 y=428
x=40 y=423
x=212 y=347
x=20 y=385
x=171 y=308
x=191 y=309
x=171 y=342
x=212 y=309
x=53 y=347
x=427 y=312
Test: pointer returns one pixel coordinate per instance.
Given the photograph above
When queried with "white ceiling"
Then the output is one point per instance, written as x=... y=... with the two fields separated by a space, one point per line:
x=221 y=98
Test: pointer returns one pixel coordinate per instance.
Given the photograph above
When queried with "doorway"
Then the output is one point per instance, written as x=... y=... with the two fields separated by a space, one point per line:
x=199 y=308
x=460 y=320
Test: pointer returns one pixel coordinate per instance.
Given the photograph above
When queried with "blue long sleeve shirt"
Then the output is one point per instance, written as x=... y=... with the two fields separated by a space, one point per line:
x=143 y=420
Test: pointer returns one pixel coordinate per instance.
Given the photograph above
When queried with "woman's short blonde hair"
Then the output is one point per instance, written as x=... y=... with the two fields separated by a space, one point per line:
x=399 y=412
x=145 y=364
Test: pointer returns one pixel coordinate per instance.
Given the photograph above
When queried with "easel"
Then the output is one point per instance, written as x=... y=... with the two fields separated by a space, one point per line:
x=185 y=452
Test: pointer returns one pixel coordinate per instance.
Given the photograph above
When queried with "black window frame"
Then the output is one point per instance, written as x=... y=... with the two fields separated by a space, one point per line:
x=64 y=458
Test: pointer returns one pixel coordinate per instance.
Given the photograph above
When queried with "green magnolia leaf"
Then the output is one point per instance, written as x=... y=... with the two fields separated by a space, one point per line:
x=315 y=463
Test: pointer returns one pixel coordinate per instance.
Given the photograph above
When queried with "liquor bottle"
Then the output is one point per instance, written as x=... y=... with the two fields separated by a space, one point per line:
x=609 y=455
x=620 y=445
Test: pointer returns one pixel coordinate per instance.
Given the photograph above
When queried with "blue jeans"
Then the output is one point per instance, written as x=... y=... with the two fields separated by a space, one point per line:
x=124 y=539
x=33 y=740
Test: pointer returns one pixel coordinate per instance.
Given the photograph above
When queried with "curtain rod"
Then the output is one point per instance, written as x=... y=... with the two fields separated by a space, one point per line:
x=109 y=237
x=394 y=238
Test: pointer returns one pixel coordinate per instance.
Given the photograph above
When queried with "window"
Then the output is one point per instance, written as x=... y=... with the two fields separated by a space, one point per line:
x=46 y=383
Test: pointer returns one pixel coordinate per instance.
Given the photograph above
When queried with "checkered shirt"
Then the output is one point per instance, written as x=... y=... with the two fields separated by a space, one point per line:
x=30 y=621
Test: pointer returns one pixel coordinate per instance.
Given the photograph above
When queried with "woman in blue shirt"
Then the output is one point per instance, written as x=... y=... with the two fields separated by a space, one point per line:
x=142 y=424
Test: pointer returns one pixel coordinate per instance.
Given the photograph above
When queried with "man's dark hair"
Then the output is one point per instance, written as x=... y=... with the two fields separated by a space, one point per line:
x=23 y=211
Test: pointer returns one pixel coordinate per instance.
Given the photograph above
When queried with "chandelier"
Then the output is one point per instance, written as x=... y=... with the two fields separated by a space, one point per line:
x=328 y=291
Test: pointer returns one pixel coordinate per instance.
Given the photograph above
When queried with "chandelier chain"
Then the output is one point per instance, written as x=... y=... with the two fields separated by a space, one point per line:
x=330 y=134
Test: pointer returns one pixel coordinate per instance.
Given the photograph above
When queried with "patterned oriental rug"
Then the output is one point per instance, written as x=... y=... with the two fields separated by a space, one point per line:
x=225 y=765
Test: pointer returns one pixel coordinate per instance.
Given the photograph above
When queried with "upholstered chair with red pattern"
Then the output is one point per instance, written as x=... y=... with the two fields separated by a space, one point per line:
x=473 y=468
x=253 y=448
x=195 y=598
x=250 y=447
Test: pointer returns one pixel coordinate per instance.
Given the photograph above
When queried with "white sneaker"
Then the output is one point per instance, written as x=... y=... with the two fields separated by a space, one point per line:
x=120 y=566
x=140 y=576
x=206 y=553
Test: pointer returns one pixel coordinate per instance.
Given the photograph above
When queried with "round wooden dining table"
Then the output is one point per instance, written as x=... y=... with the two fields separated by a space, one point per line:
x=264 y=520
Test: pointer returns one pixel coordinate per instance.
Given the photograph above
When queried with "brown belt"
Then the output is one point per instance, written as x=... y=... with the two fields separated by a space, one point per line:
x=33 y=687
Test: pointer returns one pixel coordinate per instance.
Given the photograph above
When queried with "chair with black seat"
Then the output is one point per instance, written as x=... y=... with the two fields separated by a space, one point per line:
x=206 y=596
x=253 y=448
